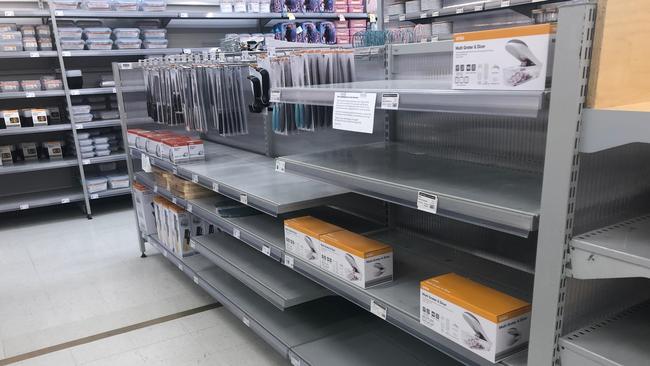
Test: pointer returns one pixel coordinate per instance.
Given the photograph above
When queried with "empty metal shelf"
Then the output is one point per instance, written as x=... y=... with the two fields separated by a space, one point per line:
x=35 y=165
x=621 y=340
x=40 y=199
x=498 y=198
x=97 y=123
x=279 y=285
x=424 y=96
x=27 y=54
x=111 y=193
x=617 y=251
x=605 y=129
x=416 y=259
x=38 y=129
x=105 y=159
x=32 y=94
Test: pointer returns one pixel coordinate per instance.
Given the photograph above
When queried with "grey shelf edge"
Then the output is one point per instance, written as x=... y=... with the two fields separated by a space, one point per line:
x=502 y=218
x=616 y=341
x=32 y=130
x=280 y=286
x=136 y=52
x=34 y=94
x=605 y=129
x=617 y=251
x=23 y=13
x=97 y=124
x=466 y=9
x=255 y=241
x=425 y=96
x=40 y=199
x=192 y=14
x=263 y=204
x=92 y=91
x=25 y=167
x=111 y=193
x=27 y=54
x=104 y=159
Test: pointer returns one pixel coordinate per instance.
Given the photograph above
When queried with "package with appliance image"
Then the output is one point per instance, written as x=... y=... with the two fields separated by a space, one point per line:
x=144 y=208
x=302 y=237
x=53 y=149
x=38 y=116
x=11 y=118
x=159 y=204
x=483 y=320
x=516 y=58
x=354 y=258
x=7 y=154
x=29 y=151
x=180 y=227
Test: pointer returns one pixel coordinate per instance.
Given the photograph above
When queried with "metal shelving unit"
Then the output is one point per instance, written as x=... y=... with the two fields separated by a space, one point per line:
x=105 y=159
x=594 y=346
x=97 y=124
x=32 y=94
x=424 y=96
x=497 y=198
x=621 y=250
x=111 y=193
x=92 y=91
x=279 y=285
x=600 y=132
x=28 y=54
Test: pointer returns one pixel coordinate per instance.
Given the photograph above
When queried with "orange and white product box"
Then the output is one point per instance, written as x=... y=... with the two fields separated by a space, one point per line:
x=516 y=58
x=132 y=134
x=196 y=149
x=354 y=258
x=483 y=320
x=144 y=208
x=302 y=237
x=180 y=227
x=160 y=205
x=175 y=150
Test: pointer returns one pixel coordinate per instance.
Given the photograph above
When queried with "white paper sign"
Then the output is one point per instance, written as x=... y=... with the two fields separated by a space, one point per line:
x=427 y=202
x=195 y=178
x=236 y=233
x=196 y=279
x=243 y=199
x=390 y=101
x=215 y=187
x=266 y=250
x=279 y=166
x=275 y=96
x=146 y=163
x=354 y=112
x=65 y=200
x=288 y=261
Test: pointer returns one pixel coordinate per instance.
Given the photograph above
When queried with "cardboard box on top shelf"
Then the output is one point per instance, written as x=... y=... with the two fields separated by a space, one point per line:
x=481 y=319
x=356 y=259
x=144 y=208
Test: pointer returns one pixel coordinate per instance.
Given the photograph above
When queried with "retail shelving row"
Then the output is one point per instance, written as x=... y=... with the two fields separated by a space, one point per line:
x=400 y=298
x=621 y=339
x=503 y=199
x=190 y=13
x=40 y=199
x=325 y=331
x=32 y=94
x=423 y=96
x=621 y=250
x=249 y=178
x=465 y=8
x=28 y=54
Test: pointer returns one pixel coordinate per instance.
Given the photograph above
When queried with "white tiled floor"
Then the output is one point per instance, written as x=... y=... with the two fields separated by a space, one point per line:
x=67 y=277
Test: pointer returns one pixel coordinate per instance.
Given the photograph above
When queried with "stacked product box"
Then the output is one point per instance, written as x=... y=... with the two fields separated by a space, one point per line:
x=350 y=257
x=167 y=145
x=483 y=320
x=179 y=186
x=101 y=142
x=144 y=208
x=108 y=5
x=127 y=38
x=31 y=151
x=175 y=227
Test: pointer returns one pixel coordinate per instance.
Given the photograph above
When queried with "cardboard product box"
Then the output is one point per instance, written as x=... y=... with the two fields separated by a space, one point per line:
x=175 y=149
x=39 y=117
x=29 y=150
x=162 y=178
x=355 y=8
x=358 y=23
x=302 y=237
x=11 y=118
x=483 y=320
x=144 y=208
x=160 y=218
x=412 y=6
x=354 y=258
x=6 y=154
x=132 y=135
x=196 y=149
x=343 y=8
x=396 y=9
x=53 y=149
x=180 y=229
x=341 y=24
x=514 y=58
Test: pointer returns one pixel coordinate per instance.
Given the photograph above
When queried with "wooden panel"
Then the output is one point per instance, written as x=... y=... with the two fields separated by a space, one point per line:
x=619 y=71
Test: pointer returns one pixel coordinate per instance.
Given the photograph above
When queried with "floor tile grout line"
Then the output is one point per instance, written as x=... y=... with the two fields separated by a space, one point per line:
x=106 y=334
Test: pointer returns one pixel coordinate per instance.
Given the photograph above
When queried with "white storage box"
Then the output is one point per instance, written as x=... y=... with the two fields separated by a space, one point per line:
x=126 y=32
x=81 y=118
x=155 y=43
x=96 y=4
x=154 y=5
x=9 y=86
x=11 y=36
x=96 y=184
x=144 y=208
x=99 y=44
x=85 y=142
x=7 y=27
x=430 y=4
x=125 y=5
x=72 y=33
x=116 y=181
x=64 y=4
x=72 y=44
x=81 y=109
x=86 y=149
x=43 y=31
x=11 y=46
x=28 y=31
x=100 y=140
x=31 y=85
x=102 y=152
x=154 y=33
x=128 y=43
x=97 y=33
x=112 y=114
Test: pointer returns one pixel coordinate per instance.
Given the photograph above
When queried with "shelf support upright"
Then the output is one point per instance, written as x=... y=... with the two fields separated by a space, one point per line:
x=568 y=93
x=125 y=138
x=66 y=89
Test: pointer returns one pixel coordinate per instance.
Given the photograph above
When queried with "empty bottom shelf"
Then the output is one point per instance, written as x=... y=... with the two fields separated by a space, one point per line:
x=40 y=199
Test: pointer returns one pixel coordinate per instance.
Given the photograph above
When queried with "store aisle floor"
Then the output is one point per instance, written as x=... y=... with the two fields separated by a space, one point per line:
x=64 y=278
